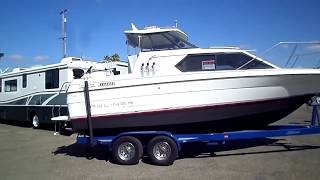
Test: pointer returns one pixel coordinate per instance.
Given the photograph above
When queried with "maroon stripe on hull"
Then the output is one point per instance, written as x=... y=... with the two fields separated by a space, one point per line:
x=198 y=119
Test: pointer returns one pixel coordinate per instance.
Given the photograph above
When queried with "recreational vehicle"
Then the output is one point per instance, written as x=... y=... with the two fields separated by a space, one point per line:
x=37 y=94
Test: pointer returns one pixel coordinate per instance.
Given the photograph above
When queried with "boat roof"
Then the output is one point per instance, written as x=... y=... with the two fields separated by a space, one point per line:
x=154 y=29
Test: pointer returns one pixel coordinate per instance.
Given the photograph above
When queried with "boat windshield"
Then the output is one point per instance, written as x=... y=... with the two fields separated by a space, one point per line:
x=158 y=41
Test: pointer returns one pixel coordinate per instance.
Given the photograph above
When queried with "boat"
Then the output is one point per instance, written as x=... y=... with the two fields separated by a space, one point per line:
x=178 y=87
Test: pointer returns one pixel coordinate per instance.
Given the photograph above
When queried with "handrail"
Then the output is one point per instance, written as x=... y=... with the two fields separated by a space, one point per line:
x=224 y=47
x=292 y=54
x=61 y=89
x=4 y=71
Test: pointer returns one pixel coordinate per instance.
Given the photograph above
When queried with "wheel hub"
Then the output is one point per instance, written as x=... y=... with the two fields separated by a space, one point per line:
x=35 y=121
x=161 y=150
x=126 y=151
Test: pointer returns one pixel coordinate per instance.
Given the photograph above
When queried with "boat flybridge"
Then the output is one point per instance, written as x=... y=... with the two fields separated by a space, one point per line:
x=176 y=86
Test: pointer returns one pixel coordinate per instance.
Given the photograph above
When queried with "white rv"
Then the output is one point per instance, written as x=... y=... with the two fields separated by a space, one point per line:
x=38 y=94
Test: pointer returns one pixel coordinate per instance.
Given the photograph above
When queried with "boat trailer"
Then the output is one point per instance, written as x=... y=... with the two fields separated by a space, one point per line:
x=163 y=147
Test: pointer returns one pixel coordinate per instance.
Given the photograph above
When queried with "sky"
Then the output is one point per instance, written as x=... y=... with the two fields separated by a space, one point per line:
x=30 y=30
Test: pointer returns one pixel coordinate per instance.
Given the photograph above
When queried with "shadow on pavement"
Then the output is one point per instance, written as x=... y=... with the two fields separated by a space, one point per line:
x=16 y=123
x=82 y=150
x=236 y=145
x=189 y=150
x=47 y=127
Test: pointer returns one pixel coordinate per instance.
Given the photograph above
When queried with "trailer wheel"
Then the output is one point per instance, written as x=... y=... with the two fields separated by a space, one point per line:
x=127 y=150
x=35 y=122
x=162 y=151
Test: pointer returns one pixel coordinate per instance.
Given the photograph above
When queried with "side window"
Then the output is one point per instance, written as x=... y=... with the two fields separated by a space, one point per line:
x=10 y=85
x=24 y=81
x=222 y=61
x=0 y=85
x=232 y=61
x=197 y=63
x=52 y=79
x=256 y=64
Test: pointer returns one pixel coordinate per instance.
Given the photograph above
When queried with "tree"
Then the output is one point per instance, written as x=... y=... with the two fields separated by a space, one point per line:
x=106 y=58
x=113 y=58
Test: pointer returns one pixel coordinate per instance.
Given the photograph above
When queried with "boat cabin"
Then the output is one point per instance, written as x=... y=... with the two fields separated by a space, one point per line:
x=167 y=50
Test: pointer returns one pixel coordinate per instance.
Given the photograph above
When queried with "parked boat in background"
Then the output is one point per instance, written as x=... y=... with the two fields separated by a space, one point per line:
x=175 y=86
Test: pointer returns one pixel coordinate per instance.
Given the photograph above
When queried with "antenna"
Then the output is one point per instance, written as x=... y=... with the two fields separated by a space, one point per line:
x=134 y=28
x=63 y=33
x=176 y=23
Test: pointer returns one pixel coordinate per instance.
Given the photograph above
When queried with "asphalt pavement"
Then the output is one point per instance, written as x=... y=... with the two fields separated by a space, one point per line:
x=26 y=153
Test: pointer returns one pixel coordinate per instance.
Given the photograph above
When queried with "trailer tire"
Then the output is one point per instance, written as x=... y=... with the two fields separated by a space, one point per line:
x=162 y=151
x=127 y=150
x=35 y=122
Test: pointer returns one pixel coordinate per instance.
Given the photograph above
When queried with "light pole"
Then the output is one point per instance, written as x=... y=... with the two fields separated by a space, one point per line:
x=63 y=33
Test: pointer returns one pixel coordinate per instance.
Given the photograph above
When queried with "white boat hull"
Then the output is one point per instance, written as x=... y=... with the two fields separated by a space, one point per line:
x=186 y=103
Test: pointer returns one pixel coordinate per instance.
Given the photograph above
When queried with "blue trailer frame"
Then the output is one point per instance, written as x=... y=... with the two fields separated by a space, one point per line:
x=216 y=138
x=271 y=131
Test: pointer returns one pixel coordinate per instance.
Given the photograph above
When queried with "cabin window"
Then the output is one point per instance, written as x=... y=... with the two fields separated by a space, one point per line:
x=52 y=79
x=211 y=62
x=256 y=64
x=197 y=63
x=10 y=85
x=0 y=85
x=159 y=41
x=24 y=81
x=232 y=61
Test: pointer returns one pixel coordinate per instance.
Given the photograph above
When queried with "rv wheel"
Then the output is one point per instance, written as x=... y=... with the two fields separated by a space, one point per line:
x=162 y=151
x=35 y=121
x=127 y=150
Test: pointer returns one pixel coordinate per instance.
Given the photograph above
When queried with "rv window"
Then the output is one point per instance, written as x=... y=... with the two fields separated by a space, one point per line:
x=77 y=73
x=10 y=85
x=52 y=79
x=24 y=81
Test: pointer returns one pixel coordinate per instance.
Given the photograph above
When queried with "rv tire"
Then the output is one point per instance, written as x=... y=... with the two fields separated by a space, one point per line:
x=35 y=122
